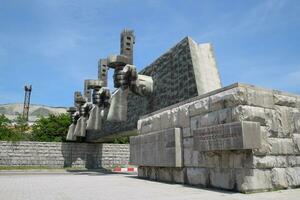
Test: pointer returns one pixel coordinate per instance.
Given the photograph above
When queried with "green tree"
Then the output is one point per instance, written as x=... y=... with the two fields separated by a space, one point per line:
x=51 y=129
x=4 y=121
x=122 y=140
x=21 y=125
x=7 y=132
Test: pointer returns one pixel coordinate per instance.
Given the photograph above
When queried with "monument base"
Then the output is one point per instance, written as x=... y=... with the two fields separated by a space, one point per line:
x=239 y=137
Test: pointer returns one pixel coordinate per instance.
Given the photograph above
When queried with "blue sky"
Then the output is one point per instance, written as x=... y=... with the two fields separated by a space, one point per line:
x=55 y=44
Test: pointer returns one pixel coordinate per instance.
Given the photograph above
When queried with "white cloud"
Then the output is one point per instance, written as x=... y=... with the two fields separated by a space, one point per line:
x=250 y=22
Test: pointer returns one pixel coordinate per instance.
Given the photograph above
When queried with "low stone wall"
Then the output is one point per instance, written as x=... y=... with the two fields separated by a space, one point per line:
x=59 y=155
x=239 y=137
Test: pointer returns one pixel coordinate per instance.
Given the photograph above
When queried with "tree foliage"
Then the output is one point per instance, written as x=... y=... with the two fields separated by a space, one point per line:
x=122 y=140
x=4 y=122
x=11 y=132
x=21 y=125
x=52 y=128
x=46 y=129
x=5 y=131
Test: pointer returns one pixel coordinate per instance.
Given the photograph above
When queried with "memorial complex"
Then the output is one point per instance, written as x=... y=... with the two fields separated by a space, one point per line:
x=190 y=129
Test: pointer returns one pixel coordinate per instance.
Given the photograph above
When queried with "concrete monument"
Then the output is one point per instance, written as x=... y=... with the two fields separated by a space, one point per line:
x=178 y=74
x=239 y=137
x=190 y=130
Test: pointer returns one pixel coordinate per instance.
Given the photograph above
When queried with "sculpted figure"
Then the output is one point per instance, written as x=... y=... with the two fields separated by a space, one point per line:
x=91 y=111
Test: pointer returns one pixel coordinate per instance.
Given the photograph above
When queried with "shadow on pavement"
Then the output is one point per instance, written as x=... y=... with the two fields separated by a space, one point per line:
x=89 y=172
x=96 y=172
x=188 y=186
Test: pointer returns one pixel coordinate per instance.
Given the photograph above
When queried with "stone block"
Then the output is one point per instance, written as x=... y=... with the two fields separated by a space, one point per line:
x=211 y=159
x=160 y=149
x=231 y=136
x=207 y=119
x=178 y=175
x=264 y=162
x=200 y=106
x=291 y=161
x=222 y=178
x=195 y=158
x=279 y=180
x=197 y=176
x=164 y=174
x=293 y=176
x=229 y=98
x=180 y=116
x=253 y=180
x=284 y=100
x=249 y=113
x=285 y=121
x=166 y=118
x=280 y=121
x=297 y=122
x=187 y=142
x=152 y=173
x=281 y=146
x=265 y=145
x=298 y=161
x=188 y=157
x=186 y=132
x=298 y=102
x=260 y=97
x=225 y=161
x=150 y=124
x=142 y=172
x=224 y=116
x=236 y=160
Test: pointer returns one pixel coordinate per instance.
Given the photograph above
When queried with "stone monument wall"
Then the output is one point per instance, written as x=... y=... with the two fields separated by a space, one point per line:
x=59 y=155
x=179 y=74
x=238 y=137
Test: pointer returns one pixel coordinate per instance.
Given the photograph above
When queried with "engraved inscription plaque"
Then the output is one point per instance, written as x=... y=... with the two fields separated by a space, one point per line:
x=230 y=136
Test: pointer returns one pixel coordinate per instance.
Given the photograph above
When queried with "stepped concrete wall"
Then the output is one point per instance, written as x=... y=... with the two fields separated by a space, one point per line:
x=239 y=137
x=59 y=155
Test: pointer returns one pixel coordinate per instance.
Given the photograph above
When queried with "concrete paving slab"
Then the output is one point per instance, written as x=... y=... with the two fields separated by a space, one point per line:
x=108 y=186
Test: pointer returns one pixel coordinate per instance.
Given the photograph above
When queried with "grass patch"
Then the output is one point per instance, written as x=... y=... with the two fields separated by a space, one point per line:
x=38 y=168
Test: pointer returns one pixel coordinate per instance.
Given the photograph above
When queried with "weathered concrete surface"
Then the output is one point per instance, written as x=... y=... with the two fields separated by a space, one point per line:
x=97 y=185
x=204 y=63
x=161 y=149
x=179 y=74
x=59 y=155
x=265 y=156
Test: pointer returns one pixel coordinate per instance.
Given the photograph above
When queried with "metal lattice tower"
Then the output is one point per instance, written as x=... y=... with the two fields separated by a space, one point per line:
x=28 y=89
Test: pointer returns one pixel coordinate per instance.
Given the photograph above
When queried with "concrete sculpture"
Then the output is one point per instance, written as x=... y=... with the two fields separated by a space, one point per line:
x=97 y=105
x=126 y=78
x=178 y=74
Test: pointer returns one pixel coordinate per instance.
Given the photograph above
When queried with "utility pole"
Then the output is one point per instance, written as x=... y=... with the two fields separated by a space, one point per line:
x=27 y=89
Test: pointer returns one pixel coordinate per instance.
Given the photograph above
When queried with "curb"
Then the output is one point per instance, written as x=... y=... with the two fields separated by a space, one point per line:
x=125 y=169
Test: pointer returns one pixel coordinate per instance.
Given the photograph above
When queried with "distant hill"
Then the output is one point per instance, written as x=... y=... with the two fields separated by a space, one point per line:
x=11 y=111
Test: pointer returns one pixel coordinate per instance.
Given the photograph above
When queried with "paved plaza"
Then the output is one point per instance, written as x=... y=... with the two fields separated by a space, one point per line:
x=61 y=185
